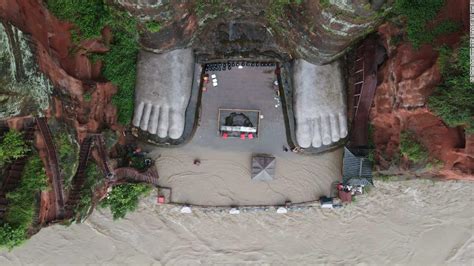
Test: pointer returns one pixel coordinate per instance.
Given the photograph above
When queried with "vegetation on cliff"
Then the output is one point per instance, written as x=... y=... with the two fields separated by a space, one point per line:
x=12 y=146
x=453 y=99
x=90 y=17
x=68 y=156
x=21 y=204
x=411 y=148
x=124 y=198
x=418 y=14
x=93 y=178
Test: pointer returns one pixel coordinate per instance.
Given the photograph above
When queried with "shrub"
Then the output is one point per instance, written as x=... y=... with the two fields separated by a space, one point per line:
x=453 y=99
x=418 y=13
x=153 y=26
x=90 y=17
x=411 y=148
x=124 y=198
x=11 y=237
x=21 y=206
x=12 y=146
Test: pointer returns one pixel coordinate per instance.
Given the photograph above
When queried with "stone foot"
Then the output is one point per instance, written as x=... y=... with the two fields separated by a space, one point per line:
x=319 y=104
x=162 y=92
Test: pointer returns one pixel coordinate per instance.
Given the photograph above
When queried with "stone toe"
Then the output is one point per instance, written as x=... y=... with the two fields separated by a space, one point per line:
x=326 y=130
x=333 y=119
x=176 y=127
x=155 y=115
x=317 y=132
x=138 y=114
x=342 y=125
x=303 y=133
x=163 y=122
x=145 y=117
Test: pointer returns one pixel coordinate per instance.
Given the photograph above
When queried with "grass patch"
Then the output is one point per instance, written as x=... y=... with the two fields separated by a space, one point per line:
x=90 y=17
x=418 y=13
x=124 y=198
x=211 y=7
x=21 y=207
x=453 y=99
x=12 y=147
x=411 y=148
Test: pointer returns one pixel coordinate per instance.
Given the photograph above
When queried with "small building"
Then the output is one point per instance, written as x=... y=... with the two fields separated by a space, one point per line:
x=263 y=167
x=238 y=123
x=357 y=170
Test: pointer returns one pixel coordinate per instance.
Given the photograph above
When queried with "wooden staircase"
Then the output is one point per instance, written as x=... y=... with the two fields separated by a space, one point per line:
x=53 y=164
x=131 y=174
x=364 y=75
x=80 y=177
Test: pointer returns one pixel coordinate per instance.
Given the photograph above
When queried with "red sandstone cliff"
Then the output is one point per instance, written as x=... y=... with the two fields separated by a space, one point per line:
x=72 y=73
x=406 y=80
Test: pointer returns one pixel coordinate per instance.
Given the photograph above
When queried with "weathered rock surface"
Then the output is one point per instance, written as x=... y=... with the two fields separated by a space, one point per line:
x=24 y=90
x=318 y=33
x=71 y=73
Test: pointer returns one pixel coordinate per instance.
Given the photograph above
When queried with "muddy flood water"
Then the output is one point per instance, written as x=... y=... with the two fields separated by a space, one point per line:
x=416 y=222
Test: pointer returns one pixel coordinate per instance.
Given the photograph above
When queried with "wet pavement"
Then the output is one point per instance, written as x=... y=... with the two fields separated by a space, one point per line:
x=223 y=177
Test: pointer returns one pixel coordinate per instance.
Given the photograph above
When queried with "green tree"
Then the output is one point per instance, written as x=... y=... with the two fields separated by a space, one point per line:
x=11 y=237
x=124 y=198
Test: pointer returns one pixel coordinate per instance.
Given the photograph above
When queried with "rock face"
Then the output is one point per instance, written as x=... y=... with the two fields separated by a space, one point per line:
x=71 y=76
x=23 y=89
x=71 y=73
x=406 y=80
x=318 y=33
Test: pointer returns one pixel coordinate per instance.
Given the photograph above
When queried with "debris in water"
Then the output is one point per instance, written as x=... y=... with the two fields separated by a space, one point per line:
x=186 y=209
x=282 y=210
